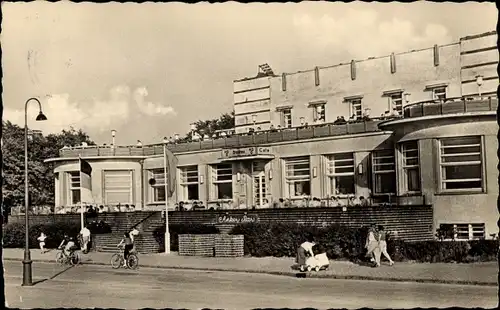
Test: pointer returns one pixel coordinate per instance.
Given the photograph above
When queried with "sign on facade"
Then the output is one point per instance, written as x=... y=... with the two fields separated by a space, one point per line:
x=236 y=219
x=246 y=151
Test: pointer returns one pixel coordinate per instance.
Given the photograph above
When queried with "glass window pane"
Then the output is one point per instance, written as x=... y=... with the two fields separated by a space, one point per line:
x=192 y=190
x=159 y=193
x=385 y=183
x=462 y=172
x=413 y=180
x=343 y=185
x=224 y=190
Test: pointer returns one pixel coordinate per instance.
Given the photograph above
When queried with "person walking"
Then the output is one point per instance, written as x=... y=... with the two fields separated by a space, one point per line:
x=382 y=236
x=305 y=249
x=372 y=245
x=85 y=233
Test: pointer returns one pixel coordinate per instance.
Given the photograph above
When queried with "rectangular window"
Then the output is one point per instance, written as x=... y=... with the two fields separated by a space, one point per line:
x=356 y=107
x=189 y=183
x=297 y=176
x=158 y=187
x=384 y=173
x=411 y=170
x=341 y=174
x=461 y=163
x=397 y=102
x=286 y=118
x=118 y=186
x=222 y=179
x=74 y=187
x=319 y=112
x=463 y=231
x=439 y=93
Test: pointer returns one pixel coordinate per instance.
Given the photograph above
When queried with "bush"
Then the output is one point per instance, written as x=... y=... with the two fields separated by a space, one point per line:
x=283 y=239
x=14 y=234
x=181 y=229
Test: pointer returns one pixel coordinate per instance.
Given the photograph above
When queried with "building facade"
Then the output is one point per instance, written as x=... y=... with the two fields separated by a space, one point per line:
x=416 y=128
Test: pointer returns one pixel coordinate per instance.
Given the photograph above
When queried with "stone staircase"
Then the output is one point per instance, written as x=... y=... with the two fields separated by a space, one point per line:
x=145 y=241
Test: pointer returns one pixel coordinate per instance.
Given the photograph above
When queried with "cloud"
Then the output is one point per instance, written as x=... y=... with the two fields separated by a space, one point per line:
x=148 y=107
x=361 y=34
x=96 y=116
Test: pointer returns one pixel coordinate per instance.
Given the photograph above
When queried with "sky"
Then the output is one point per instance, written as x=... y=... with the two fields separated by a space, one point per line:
x=149 y=70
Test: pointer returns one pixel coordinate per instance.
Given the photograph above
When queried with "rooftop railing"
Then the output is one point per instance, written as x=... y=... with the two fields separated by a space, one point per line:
x=419 y=109
x=450 y=106
x=233 y=141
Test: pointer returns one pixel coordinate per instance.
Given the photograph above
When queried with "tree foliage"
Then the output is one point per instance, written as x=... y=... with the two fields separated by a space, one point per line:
x=40 y=174
x=211 y=126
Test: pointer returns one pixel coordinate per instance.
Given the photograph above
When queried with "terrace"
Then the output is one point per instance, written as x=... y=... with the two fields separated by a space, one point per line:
x=232 y=141
x=450 y=106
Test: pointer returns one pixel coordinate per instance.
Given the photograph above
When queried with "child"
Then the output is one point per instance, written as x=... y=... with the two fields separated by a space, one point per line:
x=129 y=245
x=41 y=239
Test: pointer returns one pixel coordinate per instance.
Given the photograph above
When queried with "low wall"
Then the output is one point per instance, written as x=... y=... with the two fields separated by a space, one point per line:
x=411 y=223
x=218 y=245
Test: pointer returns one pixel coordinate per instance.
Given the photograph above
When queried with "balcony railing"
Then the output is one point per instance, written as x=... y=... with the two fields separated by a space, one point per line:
x=234 y=141
x=450 y=106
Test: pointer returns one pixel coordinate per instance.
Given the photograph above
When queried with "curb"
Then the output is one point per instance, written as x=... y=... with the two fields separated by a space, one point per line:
x=294 y=274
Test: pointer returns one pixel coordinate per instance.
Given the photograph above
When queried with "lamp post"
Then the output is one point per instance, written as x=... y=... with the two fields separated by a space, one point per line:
x=479 y=82
x=27 y=275
x=167 y=231
x=113 y=135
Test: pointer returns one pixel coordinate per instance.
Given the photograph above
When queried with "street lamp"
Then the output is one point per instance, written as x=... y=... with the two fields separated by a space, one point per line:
x=479 y=82
x=113 y=135
x=167 y=231
x=27 y=275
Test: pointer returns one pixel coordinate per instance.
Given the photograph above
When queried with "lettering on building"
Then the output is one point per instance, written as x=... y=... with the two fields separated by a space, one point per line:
x=237 y=219
x=247 y=151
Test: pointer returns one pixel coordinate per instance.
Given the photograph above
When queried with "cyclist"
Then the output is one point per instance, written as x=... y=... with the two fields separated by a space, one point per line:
x=69 y=246
x=129 y=245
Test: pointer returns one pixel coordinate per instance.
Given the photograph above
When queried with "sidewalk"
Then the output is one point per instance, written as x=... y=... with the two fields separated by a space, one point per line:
x=467 y=274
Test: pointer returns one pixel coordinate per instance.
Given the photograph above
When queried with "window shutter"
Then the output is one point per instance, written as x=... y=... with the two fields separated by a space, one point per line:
x=393 y=63
x=283 y=81
x=316 y=76
x=436 y=55
x=353 y=70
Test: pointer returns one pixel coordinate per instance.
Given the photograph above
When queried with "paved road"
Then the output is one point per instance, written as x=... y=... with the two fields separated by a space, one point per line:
x=91 y=286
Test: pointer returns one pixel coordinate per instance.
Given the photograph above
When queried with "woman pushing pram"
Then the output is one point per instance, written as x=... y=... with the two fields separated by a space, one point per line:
x=307 y=260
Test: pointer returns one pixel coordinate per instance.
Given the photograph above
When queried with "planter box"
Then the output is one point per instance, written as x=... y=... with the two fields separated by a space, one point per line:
x=305 y=133
x=229 y=245
x=219 y=245
x=196 y=245
x=322 y=131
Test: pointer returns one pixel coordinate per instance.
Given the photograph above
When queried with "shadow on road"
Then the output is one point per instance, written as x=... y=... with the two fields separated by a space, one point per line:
x=54 y=276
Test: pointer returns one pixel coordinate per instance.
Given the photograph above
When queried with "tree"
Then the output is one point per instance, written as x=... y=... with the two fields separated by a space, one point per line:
x=210 y=127
x=40 y=174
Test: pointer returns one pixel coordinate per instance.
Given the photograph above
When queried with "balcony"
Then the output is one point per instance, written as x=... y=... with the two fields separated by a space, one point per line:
x=233 y=141
x=450 y=106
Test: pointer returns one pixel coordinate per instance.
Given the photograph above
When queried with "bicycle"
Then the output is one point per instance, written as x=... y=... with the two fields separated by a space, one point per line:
x=118 y=259
x=63 y=259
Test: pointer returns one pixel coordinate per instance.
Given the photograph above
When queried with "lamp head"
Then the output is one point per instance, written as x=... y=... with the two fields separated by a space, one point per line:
x=41 y=117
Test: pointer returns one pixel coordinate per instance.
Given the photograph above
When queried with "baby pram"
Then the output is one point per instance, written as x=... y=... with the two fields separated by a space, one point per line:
x=317 y=262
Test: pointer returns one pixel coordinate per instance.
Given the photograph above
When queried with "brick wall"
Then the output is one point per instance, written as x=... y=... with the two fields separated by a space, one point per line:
x=218 y=245
x=411 y=223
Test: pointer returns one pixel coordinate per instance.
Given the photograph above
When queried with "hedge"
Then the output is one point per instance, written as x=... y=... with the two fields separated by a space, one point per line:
x=283 y=239
x=180 y=229
x=14 y=234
